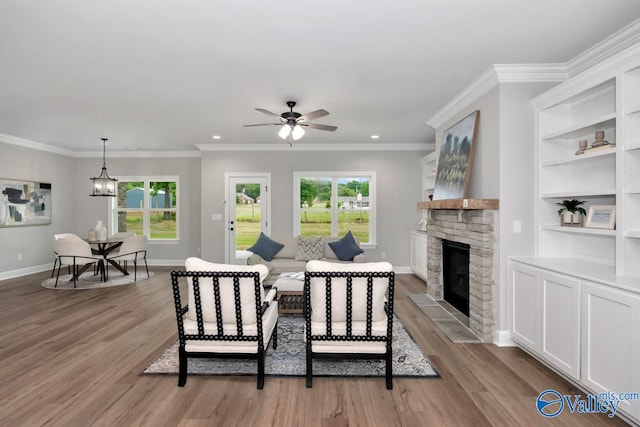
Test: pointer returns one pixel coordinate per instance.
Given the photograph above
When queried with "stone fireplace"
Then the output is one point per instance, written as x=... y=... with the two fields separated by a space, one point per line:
x=475 y=228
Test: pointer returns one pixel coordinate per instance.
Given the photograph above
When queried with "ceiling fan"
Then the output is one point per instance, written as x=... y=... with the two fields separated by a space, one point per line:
x=293 y=123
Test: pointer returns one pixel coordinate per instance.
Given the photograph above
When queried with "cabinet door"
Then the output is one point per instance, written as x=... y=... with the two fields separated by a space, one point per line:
x=525 y=305
x=560 y=343
x=611 y=342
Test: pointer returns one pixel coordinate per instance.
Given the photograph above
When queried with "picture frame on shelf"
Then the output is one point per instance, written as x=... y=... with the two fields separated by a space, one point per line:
x=455 y=159
x=601 y=216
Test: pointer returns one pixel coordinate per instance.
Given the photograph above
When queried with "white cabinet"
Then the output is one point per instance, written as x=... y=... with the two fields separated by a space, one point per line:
x=419 y=254
x=545 y=315
x=611 y=342
x=588 y=330
x=560 y=340
x=525 y=305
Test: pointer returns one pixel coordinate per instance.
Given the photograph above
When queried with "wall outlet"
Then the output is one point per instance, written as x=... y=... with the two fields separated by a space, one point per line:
x=383 y=255
x=19 y=257
x=517 y=226
x=216 y=217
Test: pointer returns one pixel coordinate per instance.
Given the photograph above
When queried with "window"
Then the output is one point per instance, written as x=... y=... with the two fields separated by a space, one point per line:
x=146 y=205
x=332 y=203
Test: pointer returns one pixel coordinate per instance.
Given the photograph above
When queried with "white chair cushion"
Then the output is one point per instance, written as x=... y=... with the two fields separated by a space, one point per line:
x=247 y=291
x=339 y=328
x=269 y=320
x=338 y=291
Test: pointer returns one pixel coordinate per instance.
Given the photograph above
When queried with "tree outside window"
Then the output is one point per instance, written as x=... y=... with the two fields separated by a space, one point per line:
x=147 y=206
x=332 y=203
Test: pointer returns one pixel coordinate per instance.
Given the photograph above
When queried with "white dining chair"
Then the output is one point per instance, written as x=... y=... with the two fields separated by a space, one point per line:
x=57 y=237
x=132 y=249
x=74 y=253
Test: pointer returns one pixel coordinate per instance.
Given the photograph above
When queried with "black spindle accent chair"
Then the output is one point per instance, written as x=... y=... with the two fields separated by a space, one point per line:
x=227 y=315
x=348 y=312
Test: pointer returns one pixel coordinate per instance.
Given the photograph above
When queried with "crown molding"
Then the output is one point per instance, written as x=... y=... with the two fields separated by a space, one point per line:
x=139 y=154
x=494 y=75
x=605 y=49
x=21 y=142
x=427 y=146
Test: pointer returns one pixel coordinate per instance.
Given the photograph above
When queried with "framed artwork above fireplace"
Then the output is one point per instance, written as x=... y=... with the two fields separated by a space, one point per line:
x=456 y=157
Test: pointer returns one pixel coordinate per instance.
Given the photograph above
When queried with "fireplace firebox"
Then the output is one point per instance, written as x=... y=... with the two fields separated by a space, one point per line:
x=455 y=274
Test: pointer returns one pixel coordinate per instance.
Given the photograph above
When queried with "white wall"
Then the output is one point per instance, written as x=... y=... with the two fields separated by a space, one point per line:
x=503 y=168
x=399 y=188
x=74 y=211
x=95 y=208
x=34 y=242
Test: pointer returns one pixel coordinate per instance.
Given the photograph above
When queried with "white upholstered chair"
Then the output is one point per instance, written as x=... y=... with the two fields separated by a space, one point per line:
x=228 y=314
x=348 y=311
x=134 y=249
x=57 y=237
x=75 y=253
x=122 y=235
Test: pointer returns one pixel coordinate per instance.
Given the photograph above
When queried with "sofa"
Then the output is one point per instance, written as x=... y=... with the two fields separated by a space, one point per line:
x=284 y=260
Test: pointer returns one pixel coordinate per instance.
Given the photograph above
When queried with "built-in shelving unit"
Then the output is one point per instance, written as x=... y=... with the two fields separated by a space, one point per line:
x=566 y=115
x=429 y=164
x=565 y=302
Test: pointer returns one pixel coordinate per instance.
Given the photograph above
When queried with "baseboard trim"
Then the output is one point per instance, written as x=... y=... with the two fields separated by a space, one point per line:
x=503 y=339
x=403 y=269
x=12 y=274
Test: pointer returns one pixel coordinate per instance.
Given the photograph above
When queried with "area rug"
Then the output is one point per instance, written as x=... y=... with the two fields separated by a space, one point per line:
x=90 y=281
x=289 y=358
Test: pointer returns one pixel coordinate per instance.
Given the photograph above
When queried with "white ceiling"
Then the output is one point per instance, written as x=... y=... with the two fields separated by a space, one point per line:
x=166 y=75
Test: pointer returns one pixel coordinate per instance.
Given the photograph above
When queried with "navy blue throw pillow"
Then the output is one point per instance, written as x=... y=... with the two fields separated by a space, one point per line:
x=265 y=247
x=346 y=248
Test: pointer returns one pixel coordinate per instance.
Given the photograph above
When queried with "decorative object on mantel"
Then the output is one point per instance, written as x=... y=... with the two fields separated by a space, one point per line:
x=456 y=156
x=571 y=213
x=601 y=216
x=103 y=185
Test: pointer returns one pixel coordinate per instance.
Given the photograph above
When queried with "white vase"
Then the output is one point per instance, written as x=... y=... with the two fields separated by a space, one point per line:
x=101 y=231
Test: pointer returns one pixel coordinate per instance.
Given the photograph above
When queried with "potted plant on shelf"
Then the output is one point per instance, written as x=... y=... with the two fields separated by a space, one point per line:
x=571 y=213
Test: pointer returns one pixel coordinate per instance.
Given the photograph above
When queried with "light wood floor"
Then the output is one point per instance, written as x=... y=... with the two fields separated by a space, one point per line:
x=73 y=358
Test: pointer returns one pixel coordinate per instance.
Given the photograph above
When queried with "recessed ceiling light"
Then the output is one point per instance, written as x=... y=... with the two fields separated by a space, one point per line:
x=217 y=137
x=375 y=136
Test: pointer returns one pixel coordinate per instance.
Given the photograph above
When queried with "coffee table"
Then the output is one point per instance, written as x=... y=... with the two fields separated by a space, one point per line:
x=289 y=293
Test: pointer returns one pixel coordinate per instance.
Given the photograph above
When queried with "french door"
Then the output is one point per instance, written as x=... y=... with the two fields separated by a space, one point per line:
x=247 y=201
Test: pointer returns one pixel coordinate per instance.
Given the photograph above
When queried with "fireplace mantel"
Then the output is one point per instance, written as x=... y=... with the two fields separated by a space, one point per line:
x=492 y=204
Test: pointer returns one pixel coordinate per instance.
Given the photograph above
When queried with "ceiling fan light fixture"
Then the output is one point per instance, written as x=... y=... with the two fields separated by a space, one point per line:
x=297 y=132
x=284 y=132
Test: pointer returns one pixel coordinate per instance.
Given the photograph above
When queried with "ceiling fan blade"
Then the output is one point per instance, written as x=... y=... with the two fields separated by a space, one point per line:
x=313 y=115
x=320 y=127
x=267 y=112
x=262 y=124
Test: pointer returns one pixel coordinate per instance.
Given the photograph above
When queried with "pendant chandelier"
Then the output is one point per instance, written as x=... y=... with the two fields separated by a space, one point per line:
x=103 y=185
